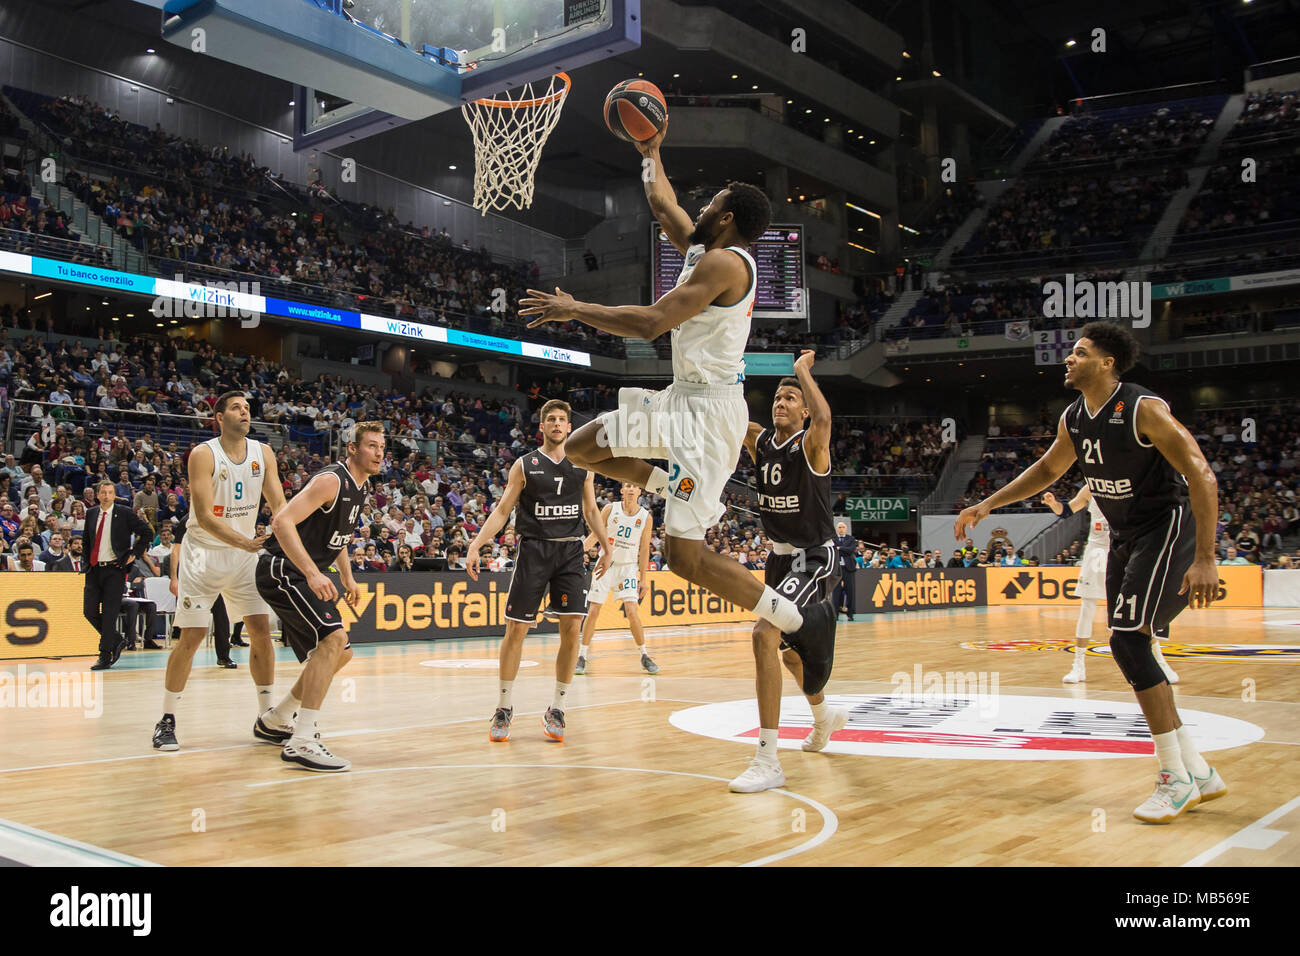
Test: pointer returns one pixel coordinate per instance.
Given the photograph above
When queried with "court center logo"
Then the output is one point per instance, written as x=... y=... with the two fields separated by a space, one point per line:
x=958 y=727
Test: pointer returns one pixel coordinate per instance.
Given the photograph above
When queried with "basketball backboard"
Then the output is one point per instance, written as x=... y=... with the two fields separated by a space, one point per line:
x=362 y=66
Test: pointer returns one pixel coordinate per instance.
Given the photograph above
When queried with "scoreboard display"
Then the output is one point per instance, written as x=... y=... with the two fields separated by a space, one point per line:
x=778 y=253
x=1051 y=346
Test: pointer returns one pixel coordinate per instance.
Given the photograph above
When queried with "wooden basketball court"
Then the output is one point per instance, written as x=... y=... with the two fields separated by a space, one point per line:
x=630 y=786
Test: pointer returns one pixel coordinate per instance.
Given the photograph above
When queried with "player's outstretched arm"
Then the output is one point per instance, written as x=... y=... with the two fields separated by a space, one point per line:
x=1157 y=423
x=596 y=522
x=751 y=440
x=324 y=487
x=1039 y=476
x=673 y=219
x=817 y=440
x=494 y=522
x=716 y=272
x=200 y=473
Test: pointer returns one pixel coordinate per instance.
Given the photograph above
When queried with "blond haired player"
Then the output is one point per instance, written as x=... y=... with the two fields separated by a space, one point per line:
x=1092 y=584
x=699 y=422
x=229 y=475
x=628 y=525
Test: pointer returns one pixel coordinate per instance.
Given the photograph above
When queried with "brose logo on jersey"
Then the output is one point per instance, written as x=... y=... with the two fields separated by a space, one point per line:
x=1105 y=486
x=556 y=511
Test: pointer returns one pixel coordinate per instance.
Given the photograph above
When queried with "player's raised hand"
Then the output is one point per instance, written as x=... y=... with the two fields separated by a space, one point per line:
x=969 y=518
x=804 y=361
x=1201 y=583
x=1049 y=499
x=654 y=142
x=547 y=308
x=322 y=587
x=471 y=562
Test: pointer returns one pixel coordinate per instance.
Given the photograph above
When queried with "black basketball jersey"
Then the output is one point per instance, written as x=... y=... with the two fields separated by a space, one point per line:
x=550 y=506
x=326 y=531
x=1135 y=486
x=794 y=501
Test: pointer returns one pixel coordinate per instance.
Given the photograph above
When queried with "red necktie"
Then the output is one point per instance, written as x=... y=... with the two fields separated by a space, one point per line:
x=99 y=536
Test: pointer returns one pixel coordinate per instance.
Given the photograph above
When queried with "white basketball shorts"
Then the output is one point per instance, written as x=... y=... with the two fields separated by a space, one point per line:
x=620 y=579
x=204 y=573
x=699 y=429
x=1092 y=574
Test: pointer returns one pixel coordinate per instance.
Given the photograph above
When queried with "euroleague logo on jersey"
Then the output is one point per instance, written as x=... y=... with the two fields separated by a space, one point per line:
x=257 y=469
x=968 y=726
x=684 y=489
x=1117 y=416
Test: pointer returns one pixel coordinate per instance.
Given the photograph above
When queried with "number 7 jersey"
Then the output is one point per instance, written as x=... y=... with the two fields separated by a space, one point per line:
x=1132 y=483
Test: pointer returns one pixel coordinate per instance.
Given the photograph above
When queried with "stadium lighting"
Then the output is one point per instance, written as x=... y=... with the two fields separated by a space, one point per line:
x=291 y=102
x=42 y=295
x=1069 y=43
x=936 y=73
x=754 y=87
x=906 y=55
x=861 y=210
x=735 y=76
x=451 y=167
x=677 y=76
x=789 y=102
x=898 y=77
x=149 y=50
x=807 y=111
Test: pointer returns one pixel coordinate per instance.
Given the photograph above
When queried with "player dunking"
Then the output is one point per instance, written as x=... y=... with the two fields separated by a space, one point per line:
x=229 y=475
x=1142 y=466
x=554 y=497
x=307 y=536
x=1092 y=583
x=629 y=538
x=793 y=463
x=699 y=422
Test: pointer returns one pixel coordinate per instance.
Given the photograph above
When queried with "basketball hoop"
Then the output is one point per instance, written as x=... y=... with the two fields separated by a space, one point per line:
x=508 y=138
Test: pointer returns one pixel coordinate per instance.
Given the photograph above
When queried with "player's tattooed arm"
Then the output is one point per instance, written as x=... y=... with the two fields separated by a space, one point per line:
x=596 y=522
x=817 y=441
x=1171 y=439
x=494 y=522
x=751 y=440
x=717 y=273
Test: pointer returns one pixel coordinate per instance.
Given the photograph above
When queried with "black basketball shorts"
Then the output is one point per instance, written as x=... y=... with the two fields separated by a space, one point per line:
x=540 y=566
x=1145 y=572
x=805 y=577
x=305 y=620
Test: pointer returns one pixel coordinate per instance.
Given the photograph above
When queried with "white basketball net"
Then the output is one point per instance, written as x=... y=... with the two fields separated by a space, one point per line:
x=509 y=134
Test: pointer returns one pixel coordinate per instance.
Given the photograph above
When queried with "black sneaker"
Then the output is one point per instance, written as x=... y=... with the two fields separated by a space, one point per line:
x=815 y=645
x=227 y=664
x=164 y=734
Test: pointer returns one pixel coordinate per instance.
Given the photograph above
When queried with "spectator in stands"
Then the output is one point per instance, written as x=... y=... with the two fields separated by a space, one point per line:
x=1234 y=558
x=54 y=557
x=1248 y=544
x=36 y=479
x=403 y=561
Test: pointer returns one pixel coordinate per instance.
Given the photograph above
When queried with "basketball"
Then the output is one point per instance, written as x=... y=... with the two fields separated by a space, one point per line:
x=635 y=110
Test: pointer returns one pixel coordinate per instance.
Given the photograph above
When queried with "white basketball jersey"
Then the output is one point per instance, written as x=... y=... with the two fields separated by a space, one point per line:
x=1099 y=529
x=625 y=533
x=709 y=348
x=236 y=493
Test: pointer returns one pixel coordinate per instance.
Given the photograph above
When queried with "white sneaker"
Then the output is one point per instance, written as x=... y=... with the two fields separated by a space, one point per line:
x=835 y=720
x=311 y=754
x=761 y=775
x=1077 y=674
x=1211 y=787
x=1172 y=798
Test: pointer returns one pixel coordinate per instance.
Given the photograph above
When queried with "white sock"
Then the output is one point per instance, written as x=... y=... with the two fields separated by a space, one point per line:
x=557 y=702
x=820 y=711
x=1080 y=658
x=284 y=710
x=1087 y=611
x=170 y=700
x=644 y=649
x=779 y=611
x=264 y=692
x=657 y=483
x=585 y=650
x=504 y=699
x=767 y=745
x=1169 y=753
x=1192 y=758
x=306 y=726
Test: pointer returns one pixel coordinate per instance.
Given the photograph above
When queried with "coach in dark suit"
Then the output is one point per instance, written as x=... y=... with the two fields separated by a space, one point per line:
x=109 y=552
x=847 y=546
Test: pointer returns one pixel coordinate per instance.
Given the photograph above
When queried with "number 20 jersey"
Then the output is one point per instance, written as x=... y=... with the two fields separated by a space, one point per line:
x=1133 y=484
